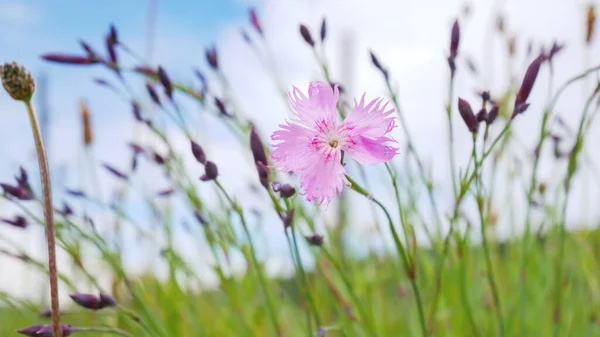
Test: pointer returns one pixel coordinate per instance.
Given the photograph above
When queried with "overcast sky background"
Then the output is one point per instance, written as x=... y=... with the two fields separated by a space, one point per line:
x=410 y=38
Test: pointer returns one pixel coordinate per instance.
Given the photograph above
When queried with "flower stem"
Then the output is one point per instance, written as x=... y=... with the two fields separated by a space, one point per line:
x=48 y=218
x=486 y=249
x=409 y=265
x=261 y=278
x=113 y=331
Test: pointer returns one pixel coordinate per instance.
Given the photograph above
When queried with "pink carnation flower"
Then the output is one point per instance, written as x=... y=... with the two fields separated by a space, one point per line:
x=311 y=144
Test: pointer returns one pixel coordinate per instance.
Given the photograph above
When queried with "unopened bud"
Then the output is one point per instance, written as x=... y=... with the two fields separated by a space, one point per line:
x=287 y=191
x=68 y=59
x=211 y=57
x=481 y=115
x=210 y=171
x=492 y=114
x=87 y=301
x=45 y=330
x=166 y=82
x=306 y=35
x=198 y=152
x=287 y=218
x=378 y=65
x=314 y=240
x=255 y=21
x=454 y=39
x=19 y=192
x=323 y=29
x=17 y=81
x=276 y=186
x=18 y=221
x=152 y=93
x=527 y=85
x=221 y=106
x=115 y=172
x=467 y=115
x=107 y=300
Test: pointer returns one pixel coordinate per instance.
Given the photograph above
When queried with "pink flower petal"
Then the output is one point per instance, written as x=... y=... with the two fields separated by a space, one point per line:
x=364 y=132
x=306 y=154
x=318 y=107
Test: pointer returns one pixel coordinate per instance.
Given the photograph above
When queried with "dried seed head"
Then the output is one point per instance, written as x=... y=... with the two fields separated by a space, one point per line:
x=210 y=171
x=314 y=240
x=198 y=152
x=323 y=29
x=287 y=191
x=255 y=21
x=590 y=23
x=87 y=124
x=17 y=81
x=211 y=57
x=306 y=35
x=467 y=115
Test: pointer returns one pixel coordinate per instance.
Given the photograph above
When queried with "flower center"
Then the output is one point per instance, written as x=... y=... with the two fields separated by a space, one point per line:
x=333 y=143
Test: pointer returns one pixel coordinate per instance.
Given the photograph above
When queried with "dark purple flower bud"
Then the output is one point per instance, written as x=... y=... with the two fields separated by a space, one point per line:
x=110 y=47
x=159 y=159
x=210 y=171
x=146 y=71
x=22 y=178
x=287 y=191
x=287 y=218
x=68 y=59
x=314 y=240
x=137 y=114
x=112 y=34
x=378 y=65
x=87 y=301
x=257 y=147
x=492 y=114
x=263 y=174
x=276 y=186
x=18 y=192
x=166 y=82
x=306 y=35
x=46 y=313
x=115 y=172
x=31 y=330
x=67 y=210
x=485 y=96
x=18 y=221
x=166 y=193
x=211 y=57
x=246 y=37
x=198 y=152
x=201 y=219
x=76 y=193
x=454 y=40
x=481 y=115
x=528 y=82
x=467 y=115
x=221 y=106
x=323 y=29
x=520 y=108
x=46 y=330
x=555 y=49
x=255 y=22
x=107 y=300
x=92 y=55
x=152 y=93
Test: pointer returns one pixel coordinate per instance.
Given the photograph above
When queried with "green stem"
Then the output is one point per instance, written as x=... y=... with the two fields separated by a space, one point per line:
x=486 y=250
x=261 y=278
x=409 y=266
x=113 y=331
x=48 y=218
